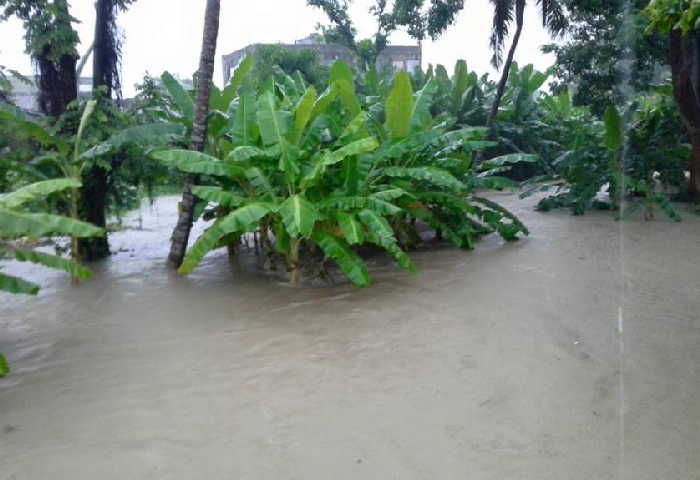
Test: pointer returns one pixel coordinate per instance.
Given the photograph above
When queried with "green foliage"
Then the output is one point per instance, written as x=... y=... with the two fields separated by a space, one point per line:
x=4 y=367
x=399 y=106
x=17 y=221
x=633 y=156
x=304 y=61
x=47 y=25
x=667 y=15
x=333 y=172
x=509 y=12
x=416 y=18
x=588 y=58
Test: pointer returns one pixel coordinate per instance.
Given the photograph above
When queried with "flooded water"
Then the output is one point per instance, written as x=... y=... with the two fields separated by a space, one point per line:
x=507 y=362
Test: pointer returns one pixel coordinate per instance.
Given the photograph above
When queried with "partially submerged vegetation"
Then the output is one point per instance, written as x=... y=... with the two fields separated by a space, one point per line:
x=309 y=172
x=318 y=163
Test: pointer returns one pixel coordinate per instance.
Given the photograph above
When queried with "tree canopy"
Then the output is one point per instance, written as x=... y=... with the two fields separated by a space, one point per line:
x=419 y=18
x=587 y=63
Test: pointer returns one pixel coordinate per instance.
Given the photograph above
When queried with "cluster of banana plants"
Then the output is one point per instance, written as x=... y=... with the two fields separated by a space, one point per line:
x=316 y=174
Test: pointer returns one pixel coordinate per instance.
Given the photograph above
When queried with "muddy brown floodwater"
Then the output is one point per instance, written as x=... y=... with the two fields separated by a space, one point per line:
x=501 y=363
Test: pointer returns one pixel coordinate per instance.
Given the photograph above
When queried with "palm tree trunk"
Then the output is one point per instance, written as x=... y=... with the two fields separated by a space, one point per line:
x=685 y=71
x=519 y=17
x=181 y=234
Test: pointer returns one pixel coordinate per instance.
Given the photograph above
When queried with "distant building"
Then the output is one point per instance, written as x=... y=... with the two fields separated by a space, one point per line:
x=26 y=95
x=405 y=58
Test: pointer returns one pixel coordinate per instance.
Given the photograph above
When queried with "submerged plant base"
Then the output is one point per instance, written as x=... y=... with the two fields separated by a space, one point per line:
x=316 y=271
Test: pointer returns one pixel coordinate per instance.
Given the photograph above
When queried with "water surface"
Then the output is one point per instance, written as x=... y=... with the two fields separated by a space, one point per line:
x=505 y=362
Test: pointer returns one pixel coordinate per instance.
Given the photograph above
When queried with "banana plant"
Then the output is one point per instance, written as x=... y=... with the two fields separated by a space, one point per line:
x=329 y=172
x=431 y=163
x=69 y=158
x=276 y=182
x=462 y=96
x=17 y=221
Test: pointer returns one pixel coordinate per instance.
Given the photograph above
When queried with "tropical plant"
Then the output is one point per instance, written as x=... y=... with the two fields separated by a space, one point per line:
x=38 y=152
x=305 y=61
x=629 y=157
x=463 y=95
x=17 y=221
x=4 y=366
x=312 y=172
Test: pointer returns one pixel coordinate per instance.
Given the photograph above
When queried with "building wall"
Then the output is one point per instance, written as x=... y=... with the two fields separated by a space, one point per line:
x=26 y=96
x=400 y=57
x=404 y=58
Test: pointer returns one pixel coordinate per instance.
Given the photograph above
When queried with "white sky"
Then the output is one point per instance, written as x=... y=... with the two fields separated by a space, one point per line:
x=166 y=34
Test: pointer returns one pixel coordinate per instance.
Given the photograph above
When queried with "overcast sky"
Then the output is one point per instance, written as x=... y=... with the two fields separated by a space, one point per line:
x=166 y=34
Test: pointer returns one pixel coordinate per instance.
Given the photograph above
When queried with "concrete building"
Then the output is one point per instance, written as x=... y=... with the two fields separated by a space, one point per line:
x=25 y=95
x=399 y=57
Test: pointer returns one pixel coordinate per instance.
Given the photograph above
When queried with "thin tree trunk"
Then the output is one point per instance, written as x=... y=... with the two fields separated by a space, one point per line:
x=503 y=83
x=181 y=234
x=84 y=59
x=685 y=70
x=519 y=14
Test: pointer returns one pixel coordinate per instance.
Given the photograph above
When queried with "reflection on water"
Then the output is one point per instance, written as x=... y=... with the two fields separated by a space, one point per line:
x=497 y=363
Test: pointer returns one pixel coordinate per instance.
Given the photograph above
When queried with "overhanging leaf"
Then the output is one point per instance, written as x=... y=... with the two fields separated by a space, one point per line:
x=16 y=224
x=348 y=261
x=614 y=129
x=436 y=176
x=11 y=284
x=351 y=227
x=181 y=98
x=218 y=196
x=399 y=106
x=36 y=191
x=197 y=162
x=299 y=216
x=53 y=261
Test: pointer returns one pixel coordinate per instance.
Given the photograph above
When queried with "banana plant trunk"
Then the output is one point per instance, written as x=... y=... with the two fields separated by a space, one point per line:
x=685 y=70
x=181 y=233
x=294 y=264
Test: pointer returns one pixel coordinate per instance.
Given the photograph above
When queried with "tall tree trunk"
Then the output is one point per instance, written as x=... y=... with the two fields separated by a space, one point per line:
x=93 y=198
x=685 y=70
x=57 y=83
x=519 y=17
x=501 y=90
x=181 y=233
